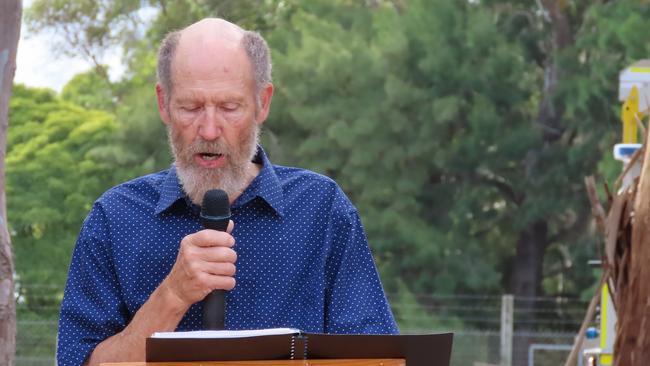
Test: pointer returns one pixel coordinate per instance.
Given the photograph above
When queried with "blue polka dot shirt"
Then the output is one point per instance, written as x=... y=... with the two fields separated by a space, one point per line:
x=303 y=259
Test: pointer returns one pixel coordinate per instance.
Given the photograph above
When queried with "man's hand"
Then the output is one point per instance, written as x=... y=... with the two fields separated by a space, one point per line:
x=205 y=262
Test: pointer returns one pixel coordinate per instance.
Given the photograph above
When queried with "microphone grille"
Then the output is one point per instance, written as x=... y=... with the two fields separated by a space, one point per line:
x=215 y=203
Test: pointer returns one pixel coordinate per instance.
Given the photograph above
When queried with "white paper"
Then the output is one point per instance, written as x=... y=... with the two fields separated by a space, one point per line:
x=225 y=333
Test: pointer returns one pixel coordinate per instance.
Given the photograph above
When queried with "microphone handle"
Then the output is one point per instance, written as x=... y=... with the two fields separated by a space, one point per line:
x=214 y=310
x=214 y=305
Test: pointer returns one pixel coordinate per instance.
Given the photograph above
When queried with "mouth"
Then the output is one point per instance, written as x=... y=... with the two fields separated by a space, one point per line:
x=210 y=160
x=210 y=156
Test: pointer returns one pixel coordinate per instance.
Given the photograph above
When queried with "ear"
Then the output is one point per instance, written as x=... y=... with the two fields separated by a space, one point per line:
x=266 y=95
x=163 y=108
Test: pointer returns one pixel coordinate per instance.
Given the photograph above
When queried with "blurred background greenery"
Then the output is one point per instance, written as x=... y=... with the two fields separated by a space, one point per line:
x=462 y=130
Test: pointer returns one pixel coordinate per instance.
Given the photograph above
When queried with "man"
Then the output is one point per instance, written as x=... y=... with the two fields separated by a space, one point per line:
x=295 y=255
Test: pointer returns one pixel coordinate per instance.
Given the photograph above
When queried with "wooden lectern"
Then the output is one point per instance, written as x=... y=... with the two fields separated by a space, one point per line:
x=330 y=362
x=299 y=349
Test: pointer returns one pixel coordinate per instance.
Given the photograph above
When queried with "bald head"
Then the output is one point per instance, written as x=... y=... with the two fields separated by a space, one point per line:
x=216 y=41
x=211 y=32
x=216 y=24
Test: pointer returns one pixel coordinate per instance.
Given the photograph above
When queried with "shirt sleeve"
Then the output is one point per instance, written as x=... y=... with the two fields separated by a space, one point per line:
x=355 y=300
x=92 y=308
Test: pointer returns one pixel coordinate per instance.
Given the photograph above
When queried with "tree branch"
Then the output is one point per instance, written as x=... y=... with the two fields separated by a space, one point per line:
x=501 y=185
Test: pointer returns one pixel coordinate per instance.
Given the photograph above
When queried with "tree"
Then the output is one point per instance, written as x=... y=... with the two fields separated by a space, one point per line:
x=56 y=170
x=10 y=15
x=462 y=130
x=397 y=109
x=90 y=90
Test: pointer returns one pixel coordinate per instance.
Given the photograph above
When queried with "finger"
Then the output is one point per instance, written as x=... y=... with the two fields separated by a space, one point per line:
x=217 y=254
x=221 y=269
x=231 y=226
x=220 y=283
x=227 y=283
x=211 y=238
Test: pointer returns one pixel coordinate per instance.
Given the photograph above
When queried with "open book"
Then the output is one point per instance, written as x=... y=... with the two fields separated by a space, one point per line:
x=290 y=343
x=226 y=333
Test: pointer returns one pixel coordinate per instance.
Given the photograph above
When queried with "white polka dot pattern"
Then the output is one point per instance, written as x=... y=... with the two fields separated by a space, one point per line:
x=303 y=259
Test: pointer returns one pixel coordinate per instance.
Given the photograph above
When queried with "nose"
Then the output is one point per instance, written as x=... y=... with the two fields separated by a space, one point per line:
x=211 y=124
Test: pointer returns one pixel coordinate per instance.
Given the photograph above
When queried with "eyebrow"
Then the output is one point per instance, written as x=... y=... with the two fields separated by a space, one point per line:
x=192 y=97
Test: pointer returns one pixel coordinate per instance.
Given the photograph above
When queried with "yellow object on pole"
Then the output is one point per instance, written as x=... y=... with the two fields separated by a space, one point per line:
x=629 y=114
x=607 y=326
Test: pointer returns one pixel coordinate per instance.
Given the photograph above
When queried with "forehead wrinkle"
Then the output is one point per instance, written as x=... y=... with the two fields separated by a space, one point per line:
x=197 y=94
x=210 y=75
x=213 y=87
x=203 y=80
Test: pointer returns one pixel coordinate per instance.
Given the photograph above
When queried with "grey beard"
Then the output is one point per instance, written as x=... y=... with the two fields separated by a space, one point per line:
x=232 y=178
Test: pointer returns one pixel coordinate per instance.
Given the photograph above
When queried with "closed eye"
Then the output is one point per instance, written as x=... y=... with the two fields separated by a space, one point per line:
x=230 y=107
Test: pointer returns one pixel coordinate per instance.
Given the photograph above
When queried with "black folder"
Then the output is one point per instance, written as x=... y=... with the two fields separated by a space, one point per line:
x=418 y=350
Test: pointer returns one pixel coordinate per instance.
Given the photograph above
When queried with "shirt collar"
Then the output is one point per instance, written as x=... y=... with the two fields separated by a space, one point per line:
x=265 y=186
x=170 y=191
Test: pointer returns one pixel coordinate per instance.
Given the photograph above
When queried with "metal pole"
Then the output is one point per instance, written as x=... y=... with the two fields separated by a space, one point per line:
x=507 y=309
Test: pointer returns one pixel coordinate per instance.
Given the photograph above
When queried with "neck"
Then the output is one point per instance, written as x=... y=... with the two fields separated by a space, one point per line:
x=252 y=171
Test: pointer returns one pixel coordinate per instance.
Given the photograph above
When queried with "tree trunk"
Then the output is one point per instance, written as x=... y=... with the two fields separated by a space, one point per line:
x=530 y=259
x=10 y=16
x=533 y=239
x=526 y=283
x=632 y=347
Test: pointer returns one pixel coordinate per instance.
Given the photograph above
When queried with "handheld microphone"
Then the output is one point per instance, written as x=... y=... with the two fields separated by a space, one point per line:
x=215 y=214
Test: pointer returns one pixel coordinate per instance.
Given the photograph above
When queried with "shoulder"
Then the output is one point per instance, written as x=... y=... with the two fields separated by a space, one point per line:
x=308 y=186
x=142 y=191
x=122 y=206
x=291 y=176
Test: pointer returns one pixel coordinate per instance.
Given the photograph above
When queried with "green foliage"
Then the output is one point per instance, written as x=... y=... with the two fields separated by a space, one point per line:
x=384 y=114
x=53 y=176
x=428 y=119
x=86 y=27
x=89 y=90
